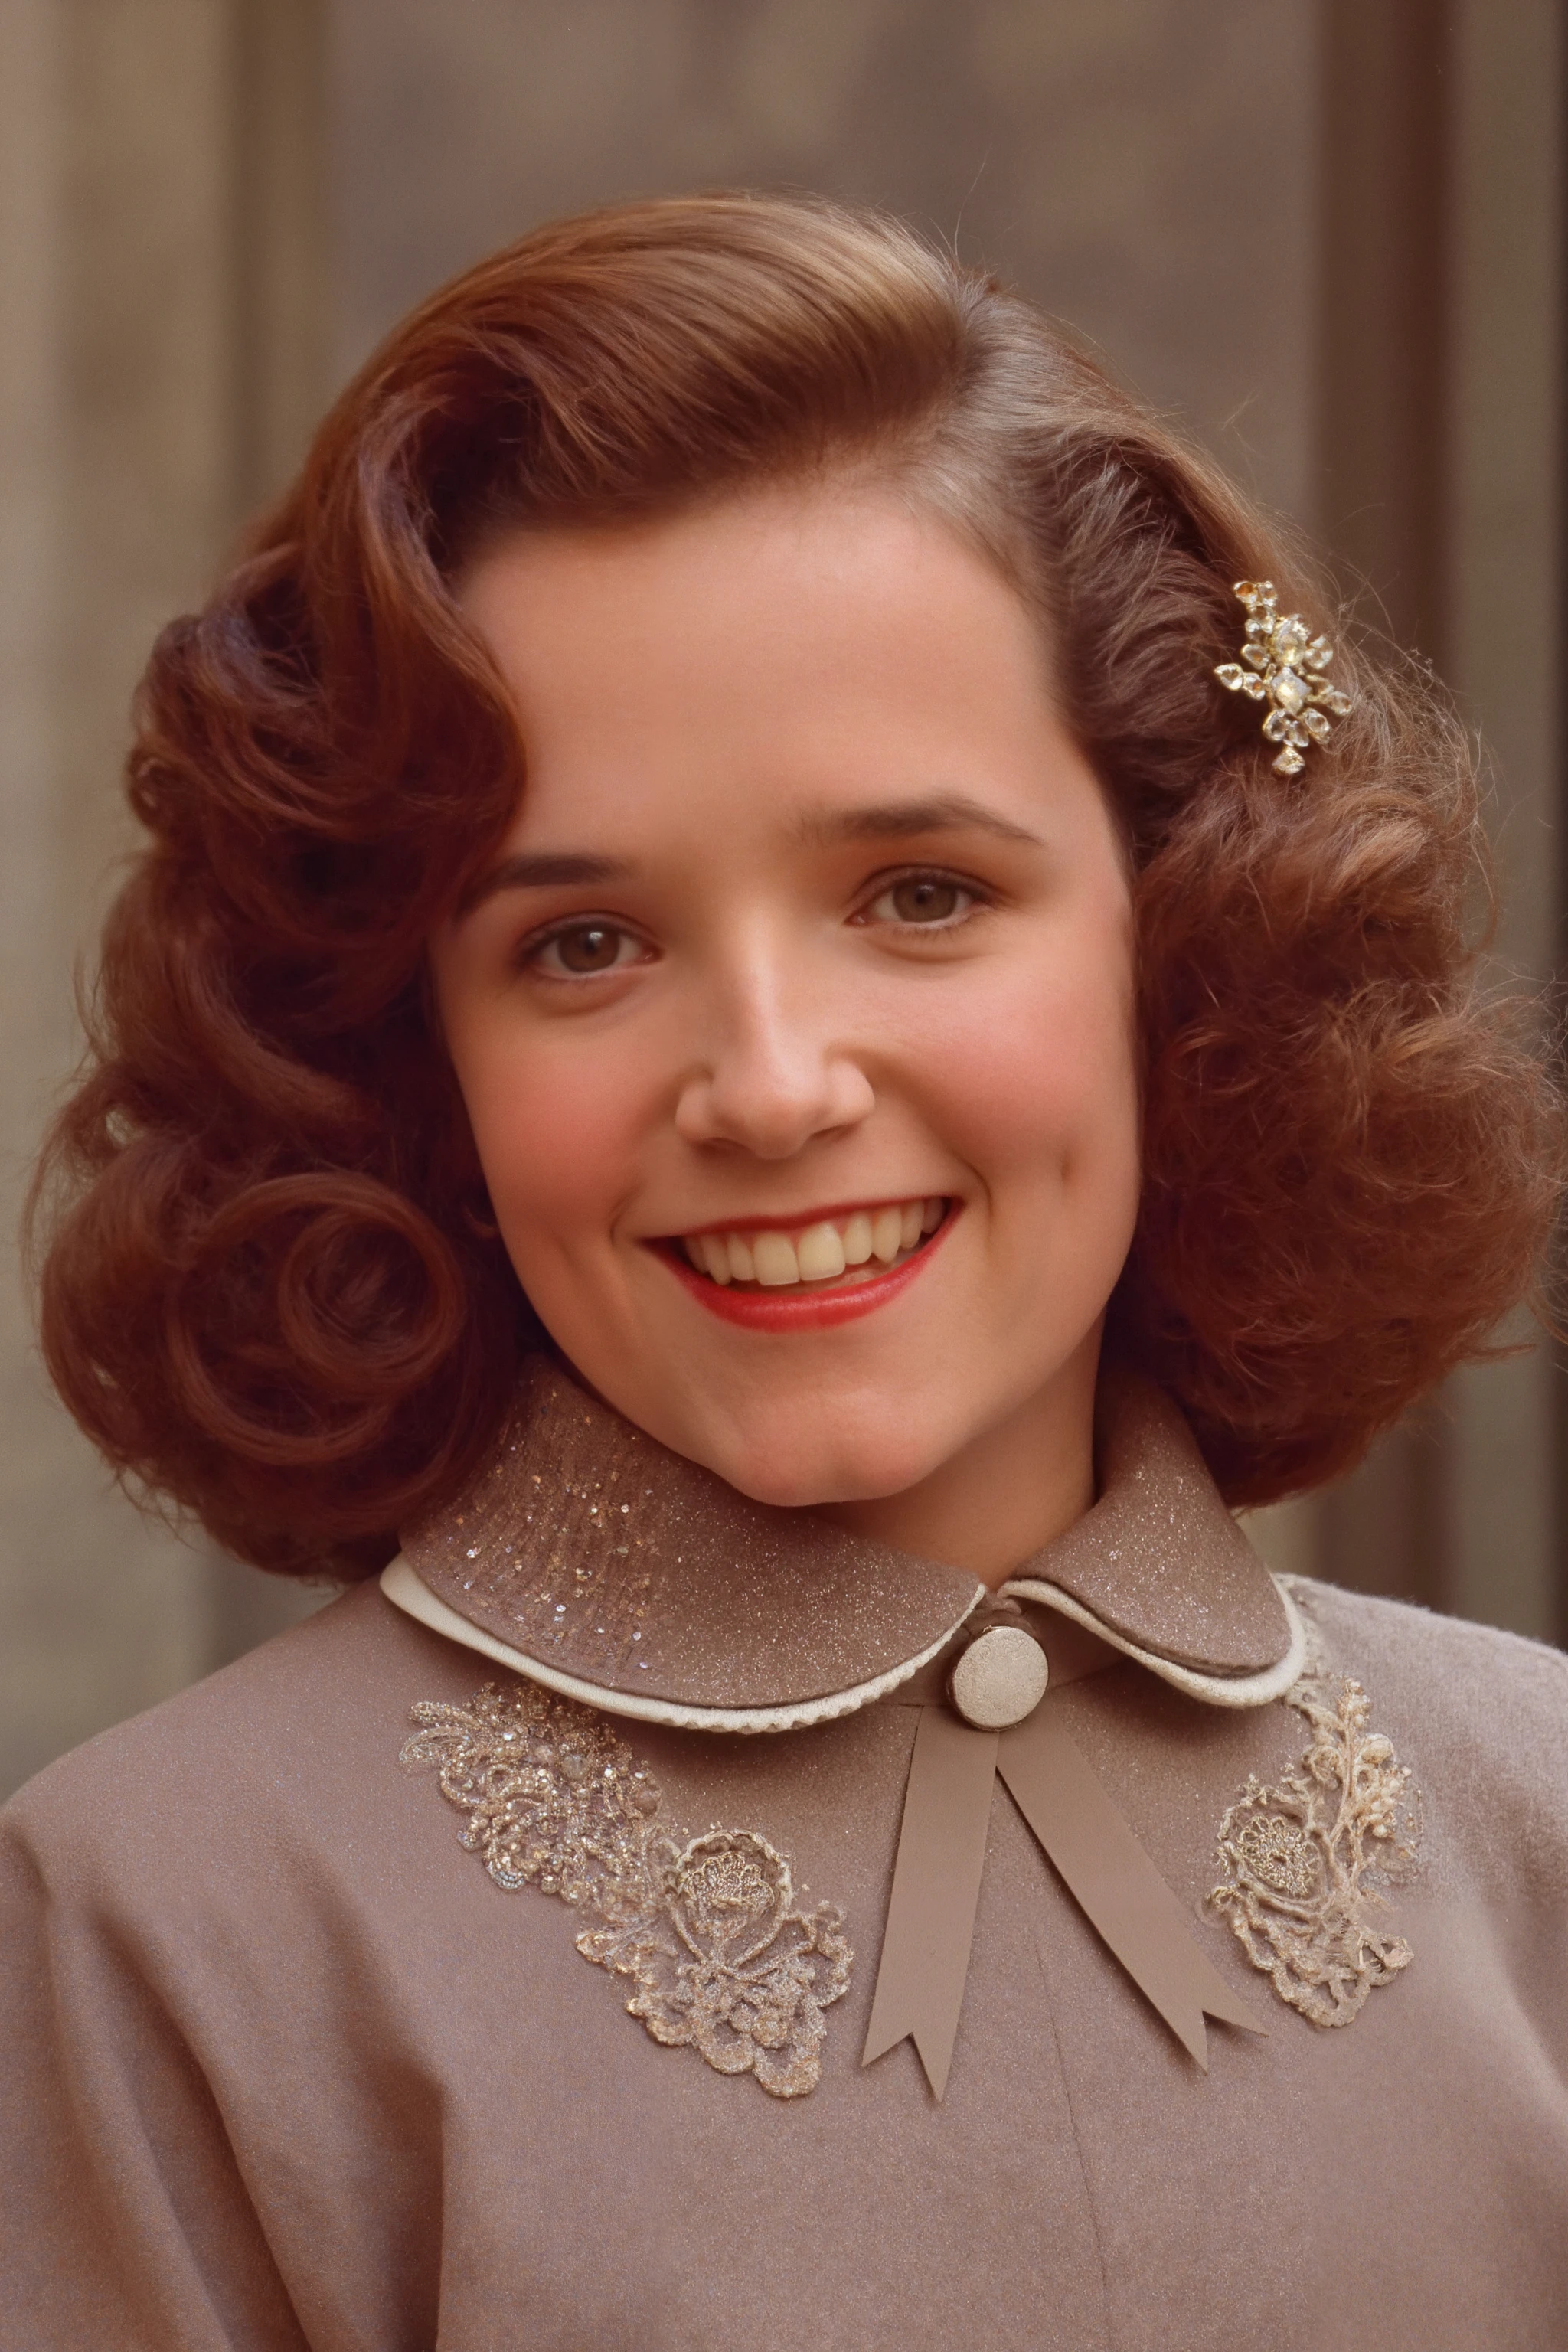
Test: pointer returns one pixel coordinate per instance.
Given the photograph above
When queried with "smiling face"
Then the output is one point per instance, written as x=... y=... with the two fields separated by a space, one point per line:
x=795 y=1015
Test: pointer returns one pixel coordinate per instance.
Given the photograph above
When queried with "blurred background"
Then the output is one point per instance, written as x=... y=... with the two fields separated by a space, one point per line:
x=1328 y=237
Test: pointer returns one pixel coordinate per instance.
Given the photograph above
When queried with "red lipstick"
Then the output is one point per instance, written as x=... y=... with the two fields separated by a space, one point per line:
x=804 y=1309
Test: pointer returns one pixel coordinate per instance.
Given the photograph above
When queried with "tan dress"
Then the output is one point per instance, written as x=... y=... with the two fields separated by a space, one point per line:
x=551 y=2034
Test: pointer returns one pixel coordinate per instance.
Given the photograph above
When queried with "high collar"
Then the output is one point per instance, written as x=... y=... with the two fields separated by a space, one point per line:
x=589 y=1558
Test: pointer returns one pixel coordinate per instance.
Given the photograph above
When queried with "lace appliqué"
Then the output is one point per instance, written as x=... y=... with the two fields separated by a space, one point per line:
x=1305 y=1859
x=707 y=1928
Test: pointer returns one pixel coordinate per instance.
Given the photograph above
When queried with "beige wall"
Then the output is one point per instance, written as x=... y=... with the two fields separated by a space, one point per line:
x=1440 y=424
x=131 y=134
x=210 y=208
x=1504 y=587
x=113 y=501
x=1119 y=161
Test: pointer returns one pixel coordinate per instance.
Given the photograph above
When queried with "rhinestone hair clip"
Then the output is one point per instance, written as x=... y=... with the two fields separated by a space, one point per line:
x=1284 y=668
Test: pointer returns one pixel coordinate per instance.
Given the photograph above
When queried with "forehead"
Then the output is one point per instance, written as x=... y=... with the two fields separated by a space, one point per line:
x=798 y=638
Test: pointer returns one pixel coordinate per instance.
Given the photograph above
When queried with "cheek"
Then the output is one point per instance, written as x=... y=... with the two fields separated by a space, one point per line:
x=556 y=1133
x=1038 y=1081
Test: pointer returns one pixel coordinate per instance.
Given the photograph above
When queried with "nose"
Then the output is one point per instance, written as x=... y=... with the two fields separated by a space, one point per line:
x=774 y=1079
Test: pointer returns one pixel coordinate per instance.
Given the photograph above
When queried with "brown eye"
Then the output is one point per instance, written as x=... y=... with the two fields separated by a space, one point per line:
x=583 y=950
x=592 y=948
x=924 y=899
x=930 y=902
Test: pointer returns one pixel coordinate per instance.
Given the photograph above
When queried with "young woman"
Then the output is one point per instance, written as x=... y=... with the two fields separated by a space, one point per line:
x=769 y=1044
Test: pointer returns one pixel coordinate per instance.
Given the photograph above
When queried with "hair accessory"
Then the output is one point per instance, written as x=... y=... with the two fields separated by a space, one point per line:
x=1284 y=668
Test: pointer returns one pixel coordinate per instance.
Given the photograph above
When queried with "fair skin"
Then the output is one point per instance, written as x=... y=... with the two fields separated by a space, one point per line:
x=794 y=1017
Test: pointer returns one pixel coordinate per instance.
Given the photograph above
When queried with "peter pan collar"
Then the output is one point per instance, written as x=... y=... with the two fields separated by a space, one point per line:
x=590 y=1558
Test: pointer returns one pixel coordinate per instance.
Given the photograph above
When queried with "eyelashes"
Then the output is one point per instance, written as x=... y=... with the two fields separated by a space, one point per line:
x=917 y=901
x=586 y=948
x=924 y=899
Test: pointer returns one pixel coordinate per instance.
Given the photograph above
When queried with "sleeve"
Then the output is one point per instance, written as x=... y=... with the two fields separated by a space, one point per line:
x=124 y=2222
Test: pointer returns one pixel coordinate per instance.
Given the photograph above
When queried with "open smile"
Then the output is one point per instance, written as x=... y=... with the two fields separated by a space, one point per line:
x=827 y=1269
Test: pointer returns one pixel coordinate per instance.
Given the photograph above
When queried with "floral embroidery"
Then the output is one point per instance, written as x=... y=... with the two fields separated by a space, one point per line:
x=725 y=1961
x=706 y=1928
x=1303 y=1858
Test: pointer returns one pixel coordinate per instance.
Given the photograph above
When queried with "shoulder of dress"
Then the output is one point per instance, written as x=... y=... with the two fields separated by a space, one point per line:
x=1412 y=1638
x=239 y=1750
x=1470 y=1704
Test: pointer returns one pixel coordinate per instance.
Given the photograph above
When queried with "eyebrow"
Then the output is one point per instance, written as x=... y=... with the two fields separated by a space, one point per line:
x=824 y=829
x=902 y=820
x=546 y=870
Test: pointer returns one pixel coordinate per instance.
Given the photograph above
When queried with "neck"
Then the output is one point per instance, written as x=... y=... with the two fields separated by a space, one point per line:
x=1006 y=1494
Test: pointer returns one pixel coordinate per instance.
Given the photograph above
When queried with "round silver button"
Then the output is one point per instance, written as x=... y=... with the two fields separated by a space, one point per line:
x=1000 y=1679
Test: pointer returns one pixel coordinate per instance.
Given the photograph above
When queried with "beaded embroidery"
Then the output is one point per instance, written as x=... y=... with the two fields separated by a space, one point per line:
x=1304 y=1859
x=707 y=1928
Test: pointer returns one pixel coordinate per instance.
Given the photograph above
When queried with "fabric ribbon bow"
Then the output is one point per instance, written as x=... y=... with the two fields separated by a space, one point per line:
x=941 y=1859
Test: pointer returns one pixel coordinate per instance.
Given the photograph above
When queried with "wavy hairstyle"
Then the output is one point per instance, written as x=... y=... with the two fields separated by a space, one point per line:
x=270 y=1289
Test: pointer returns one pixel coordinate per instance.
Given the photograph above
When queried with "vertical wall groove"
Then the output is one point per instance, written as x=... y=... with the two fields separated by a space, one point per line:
x=1383 y=302
x=1441 y=298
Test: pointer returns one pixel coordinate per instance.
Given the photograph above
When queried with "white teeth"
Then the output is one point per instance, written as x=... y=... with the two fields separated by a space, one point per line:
x=775 y=1261
x=716 y=1252
x=887 y=1235
x=857 y=1239
x=820 y=1253
x=817 y=1252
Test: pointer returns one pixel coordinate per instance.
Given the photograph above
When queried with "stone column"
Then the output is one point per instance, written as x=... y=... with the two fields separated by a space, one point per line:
x=1383 y=301
x=1440 y=294
x=1508 y=282
x=157 y=244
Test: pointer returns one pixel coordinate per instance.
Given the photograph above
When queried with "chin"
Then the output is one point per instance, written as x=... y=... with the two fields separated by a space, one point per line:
x=799 y=1469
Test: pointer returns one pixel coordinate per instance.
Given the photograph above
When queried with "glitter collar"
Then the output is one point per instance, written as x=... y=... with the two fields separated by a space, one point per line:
x=591 y=1558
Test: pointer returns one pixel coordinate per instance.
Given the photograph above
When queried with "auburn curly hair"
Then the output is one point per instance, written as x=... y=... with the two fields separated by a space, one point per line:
x=270 y=1289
